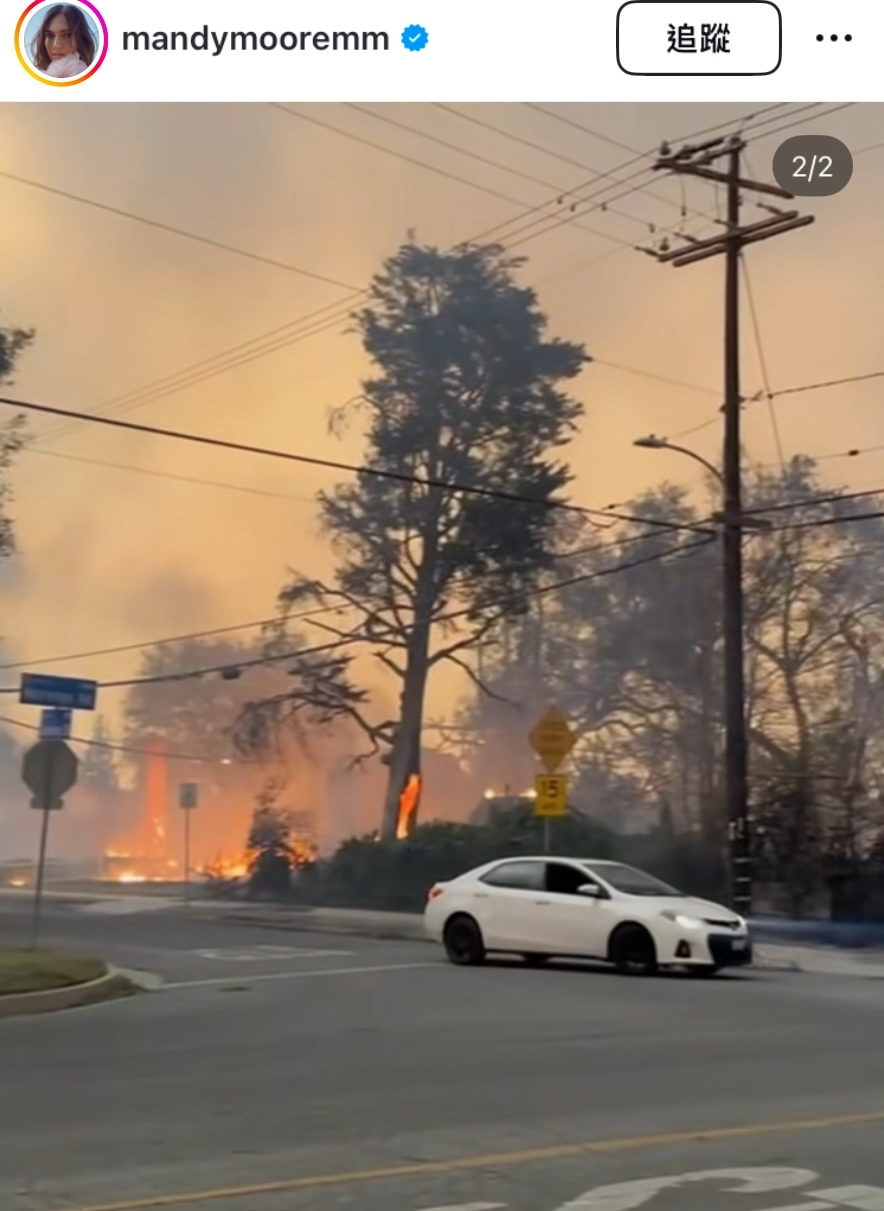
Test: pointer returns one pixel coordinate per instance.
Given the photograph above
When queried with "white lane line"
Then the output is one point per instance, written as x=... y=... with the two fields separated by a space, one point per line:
x=803 y=1207
x=297 y=975
x=471 y=1207
x=866 y=1198
x=265 y=954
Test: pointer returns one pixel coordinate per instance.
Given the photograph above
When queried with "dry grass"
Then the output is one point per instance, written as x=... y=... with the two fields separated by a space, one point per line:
x=38 y=970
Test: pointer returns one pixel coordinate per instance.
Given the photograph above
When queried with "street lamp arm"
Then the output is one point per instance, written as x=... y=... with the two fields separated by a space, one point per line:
x=661 y=443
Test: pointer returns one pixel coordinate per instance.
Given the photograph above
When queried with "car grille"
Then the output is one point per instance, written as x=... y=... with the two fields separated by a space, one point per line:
x=719 y=924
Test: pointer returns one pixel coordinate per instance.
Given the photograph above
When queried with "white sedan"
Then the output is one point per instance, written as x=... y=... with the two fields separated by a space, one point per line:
x=582 y=908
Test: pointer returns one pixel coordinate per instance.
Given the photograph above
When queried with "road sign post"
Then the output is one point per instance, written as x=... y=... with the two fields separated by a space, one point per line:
x=550 y=800
x=552 y=740
x=39 y=689
x=188 y=798
x=49 y=770
x=55 y=723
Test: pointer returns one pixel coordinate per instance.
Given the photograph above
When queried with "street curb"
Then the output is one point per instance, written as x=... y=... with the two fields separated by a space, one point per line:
x=48 y=1000
x=145 y=981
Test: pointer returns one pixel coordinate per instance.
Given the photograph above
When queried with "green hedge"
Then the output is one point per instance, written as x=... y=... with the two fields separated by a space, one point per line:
x=396 y=876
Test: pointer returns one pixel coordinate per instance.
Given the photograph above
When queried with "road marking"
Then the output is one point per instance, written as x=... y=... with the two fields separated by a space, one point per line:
x=292 y=975
x=624 y=1196
x=257 y=954
x=460 y=1164
x=471 y=1207
x=866 y=1198
x=803 y=1207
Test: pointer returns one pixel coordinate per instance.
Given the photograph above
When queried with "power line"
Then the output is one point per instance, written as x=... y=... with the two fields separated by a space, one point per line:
x=829 y=521
x=326 y=463
x=302 y=328
x=775 y=395
x=170 y=475
x=832 y=382
x=303 y=615
x=156 y=643
x=179 y=231
x=814 y=117
x=831 y=498
x=533 y=226
x=547 y=151
x=762 y=361
x=143 y=752
x=267 y=492
x=450 y=616
x=587 y=130
x=558 y=190
x=312 y=324
x=399 y=155
x=660 y=378
x=619 y=544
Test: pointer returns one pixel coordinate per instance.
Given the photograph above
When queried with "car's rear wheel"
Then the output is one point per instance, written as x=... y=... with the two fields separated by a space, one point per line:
x=463 y=941
x=632 y=951
x=535 y=960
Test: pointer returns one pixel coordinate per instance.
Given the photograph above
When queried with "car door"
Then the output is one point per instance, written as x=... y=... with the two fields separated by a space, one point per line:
x=575 y=924
x=507 y=902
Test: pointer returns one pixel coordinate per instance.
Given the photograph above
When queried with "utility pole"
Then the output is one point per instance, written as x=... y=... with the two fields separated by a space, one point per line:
x=697 y=161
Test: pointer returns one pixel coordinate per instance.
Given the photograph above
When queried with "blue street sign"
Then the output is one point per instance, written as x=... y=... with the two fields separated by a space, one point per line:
x=40 y=690
x=55 y=724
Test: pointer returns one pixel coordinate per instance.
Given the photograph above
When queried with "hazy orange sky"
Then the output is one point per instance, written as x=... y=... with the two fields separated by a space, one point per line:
x=111 y=555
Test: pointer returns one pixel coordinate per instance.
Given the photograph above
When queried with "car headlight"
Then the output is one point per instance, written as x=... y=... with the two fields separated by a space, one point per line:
x=683 y=921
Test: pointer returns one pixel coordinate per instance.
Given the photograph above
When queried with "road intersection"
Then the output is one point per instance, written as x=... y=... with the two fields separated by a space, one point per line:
x=287 y=1072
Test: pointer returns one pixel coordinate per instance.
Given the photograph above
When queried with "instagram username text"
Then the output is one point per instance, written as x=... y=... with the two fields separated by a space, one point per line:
x=217 y=43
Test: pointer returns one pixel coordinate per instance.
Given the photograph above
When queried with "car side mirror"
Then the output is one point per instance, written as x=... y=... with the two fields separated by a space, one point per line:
x=592 y=890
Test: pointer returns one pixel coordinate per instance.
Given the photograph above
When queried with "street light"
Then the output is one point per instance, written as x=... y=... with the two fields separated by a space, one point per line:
x=652 y=442
x=734 y=522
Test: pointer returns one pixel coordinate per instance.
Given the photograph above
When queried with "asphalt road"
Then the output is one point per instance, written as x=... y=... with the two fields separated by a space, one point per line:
x=280 y=1072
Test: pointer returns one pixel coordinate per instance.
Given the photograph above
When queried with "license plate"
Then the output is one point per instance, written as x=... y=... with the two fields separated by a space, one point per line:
x=739 y=943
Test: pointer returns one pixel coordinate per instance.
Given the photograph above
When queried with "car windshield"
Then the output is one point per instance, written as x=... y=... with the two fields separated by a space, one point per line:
x=630 y=881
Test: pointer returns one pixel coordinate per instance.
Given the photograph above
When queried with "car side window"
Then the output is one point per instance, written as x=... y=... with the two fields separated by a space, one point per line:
x=565 y=880
x=522 y=876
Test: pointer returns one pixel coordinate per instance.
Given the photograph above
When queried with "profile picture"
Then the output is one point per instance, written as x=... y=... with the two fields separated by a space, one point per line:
x=61 y=44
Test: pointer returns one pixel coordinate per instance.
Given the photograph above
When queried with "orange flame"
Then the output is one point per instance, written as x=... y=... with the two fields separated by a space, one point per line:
x=408 y=804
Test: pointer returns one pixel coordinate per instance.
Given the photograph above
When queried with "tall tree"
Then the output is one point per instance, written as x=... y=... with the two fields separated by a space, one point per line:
x=467 y=390
x=13 y=341
x=635 y=660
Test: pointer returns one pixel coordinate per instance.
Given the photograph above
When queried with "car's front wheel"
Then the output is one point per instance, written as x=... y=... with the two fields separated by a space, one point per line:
x=632 y=951
x=463 y=941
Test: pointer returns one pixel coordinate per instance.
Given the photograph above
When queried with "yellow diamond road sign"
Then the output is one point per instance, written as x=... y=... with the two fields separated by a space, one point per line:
x=552 y=795
x=552 y=739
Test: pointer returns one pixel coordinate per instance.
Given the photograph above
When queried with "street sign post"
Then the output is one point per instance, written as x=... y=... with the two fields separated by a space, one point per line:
x=552 y=740
x=551 y=795
x=39 y=689
x=188 y=798
x=55 y=723
x=49 y=770
x=188 y=795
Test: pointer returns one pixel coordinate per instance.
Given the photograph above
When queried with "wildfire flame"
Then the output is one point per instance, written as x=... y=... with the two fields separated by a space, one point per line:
x=408 y=804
